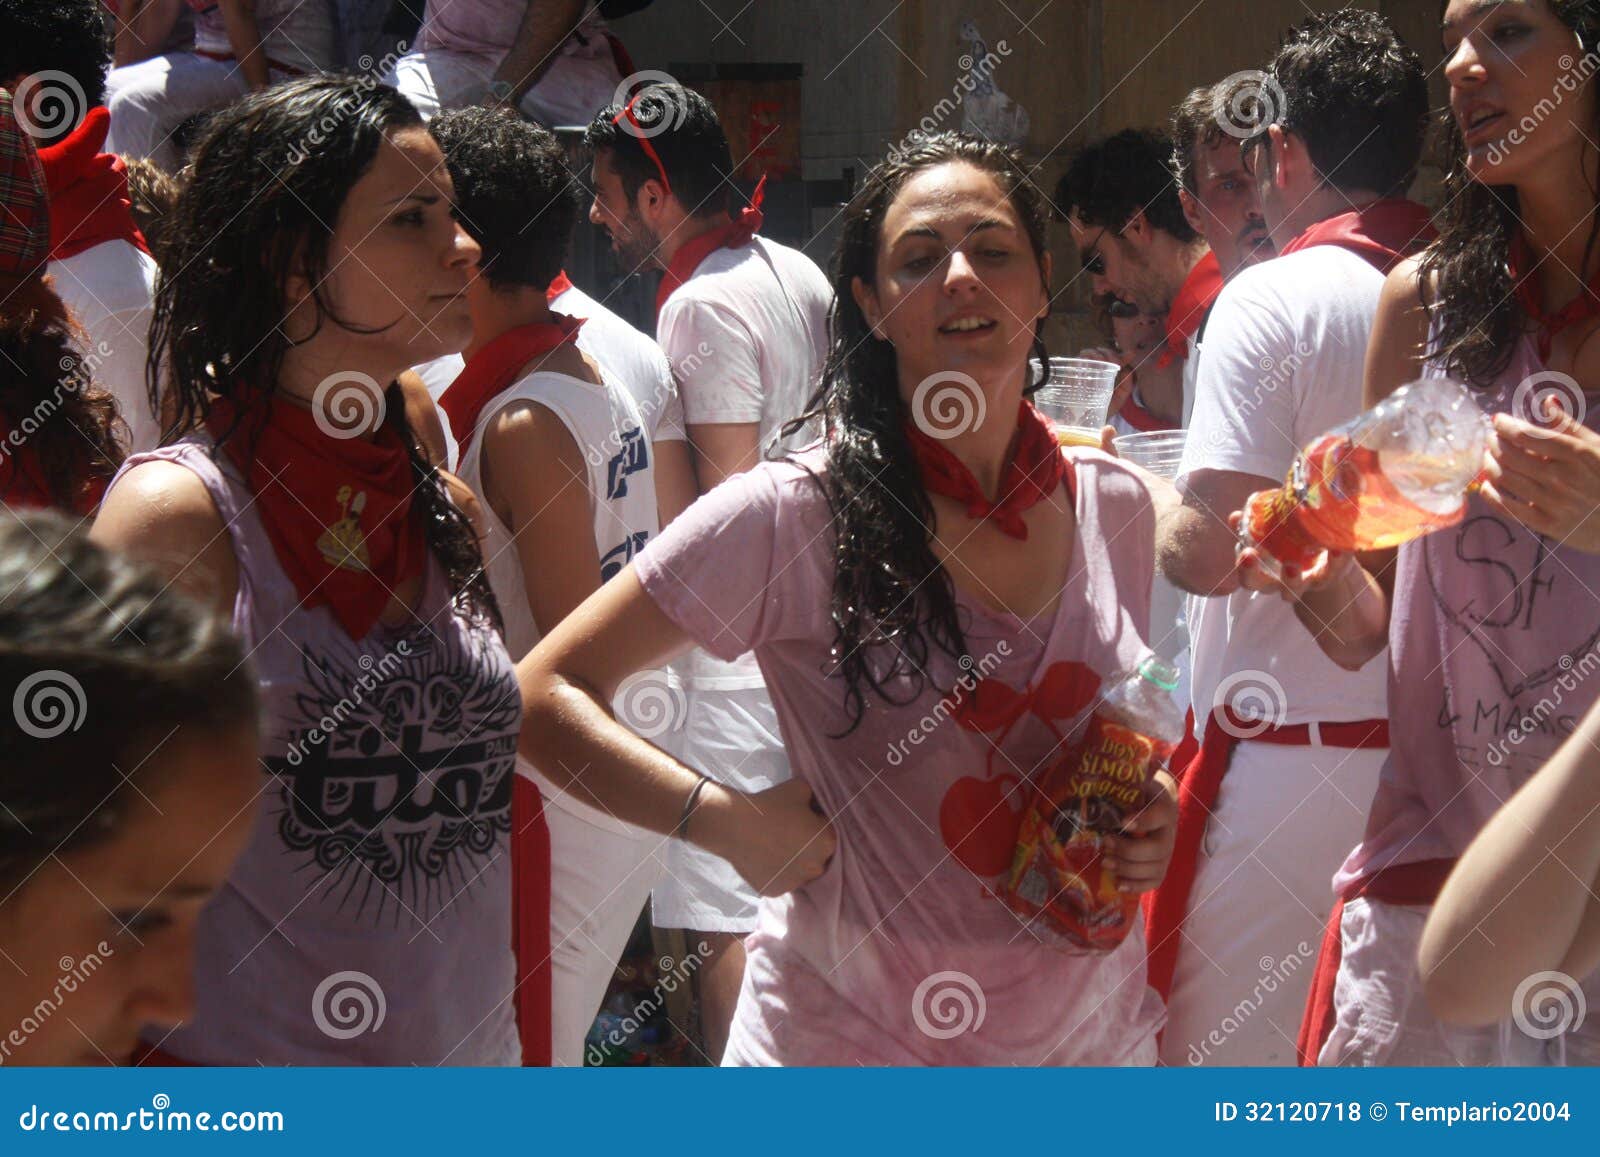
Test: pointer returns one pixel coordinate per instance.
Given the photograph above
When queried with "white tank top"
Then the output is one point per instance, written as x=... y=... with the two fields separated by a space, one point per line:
x=606 y=423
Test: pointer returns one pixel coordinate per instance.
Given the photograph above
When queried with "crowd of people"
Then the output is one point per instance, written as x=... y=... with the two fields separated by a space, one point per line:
x=379 y=608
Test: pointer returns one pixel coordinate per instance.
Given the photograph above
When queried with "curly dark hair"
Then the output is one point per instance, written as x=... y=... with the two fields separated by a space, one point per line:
x=70 y=36
x=1357 y=95
x=891 y=600
x=269 y=173
x=514 y=193
x=47 y=393
x=1108 y=181
x=1464 y=273
x=684 y=131
x=142 y=660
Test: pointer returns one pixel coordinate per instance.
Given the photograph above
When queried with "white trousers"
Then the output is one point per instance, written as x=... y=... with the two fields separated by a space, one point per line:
x=600 y=878
x=1285 y=819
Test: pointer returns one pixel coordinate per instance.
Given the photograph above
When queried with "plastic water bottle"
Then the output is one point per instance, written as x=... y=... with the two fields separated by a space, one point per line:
x=1059 y=878
x=1396 y=472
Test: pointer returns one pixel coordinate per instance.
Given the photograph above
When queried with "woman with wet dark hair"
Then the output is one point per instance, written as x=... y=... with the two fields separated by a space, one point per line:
x=126 y=770
x=1491 y=624
x=314 y=255
x=936 y=594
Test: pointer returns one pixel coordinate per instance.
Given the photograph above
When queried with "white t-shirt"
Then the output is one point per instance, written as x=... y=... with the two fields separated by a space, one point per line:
x=1284 y=360
x=747 y=335
x=625 y=356
x=110 y=288
x=606 y=424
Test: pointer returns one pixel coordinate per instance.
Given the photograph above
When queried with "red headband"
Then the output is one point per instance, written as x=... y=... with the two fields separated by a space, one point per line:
x=644 y=141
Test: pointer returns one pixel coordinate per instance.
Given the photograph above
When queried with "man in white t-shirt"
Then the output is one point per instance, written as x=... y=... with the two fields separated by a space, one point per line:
x=552 y=60
x=99 y=262
x=1293 y=743
x=744 y=322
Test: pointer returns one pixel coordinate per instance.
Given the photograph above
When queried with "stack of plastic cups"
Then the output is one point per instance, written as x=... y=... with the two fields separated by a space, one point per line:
x=1076 y=397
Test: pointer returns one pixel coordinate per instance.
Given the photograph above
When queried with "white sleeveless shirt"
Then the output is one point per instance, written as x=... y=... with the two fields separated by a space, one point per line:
x=606 y=423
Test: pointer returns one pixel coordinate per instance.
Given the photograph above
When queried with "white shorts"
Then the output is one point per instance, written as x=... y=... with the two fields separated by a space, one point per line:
x=1286 y=817
x=149 y=100
x=732 y=736
x=1383 y=1016
x=572 y=90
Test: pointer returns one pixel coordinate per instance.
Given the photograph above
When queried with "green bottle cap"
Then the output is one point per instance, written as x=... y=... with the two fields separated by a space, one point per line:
x=1155 y=669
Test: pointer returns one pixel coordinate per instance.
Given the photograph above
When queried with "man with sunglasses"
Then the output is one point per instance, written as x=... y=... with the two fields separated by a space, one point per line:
x=1140 y=249
x=1292 y=742
x=744 y=322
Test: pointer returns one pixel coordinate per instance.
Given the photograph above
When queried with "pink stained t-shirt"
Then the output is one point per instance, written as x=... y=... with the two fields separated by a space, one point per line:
x=900 y=953
x=1494 y=642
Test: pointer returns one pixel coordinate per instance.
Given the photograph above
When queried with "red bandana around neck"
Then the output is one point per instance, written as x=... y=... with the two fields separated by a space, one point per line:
x=495 y=367
x=560 y=285
x=337 y=510
x=735 y=233
x=1141 y=419
x=1530 y=295
x=1189 y=308
x=1032 y=475
x=88 y=191
x=1385 y=232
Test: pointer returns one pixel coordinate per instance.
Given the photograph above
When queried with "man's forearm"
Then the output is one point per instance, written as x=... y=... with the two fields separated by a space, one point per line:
x=1195 y=550
x=1348 y=615
x=244 y=37
x=544 y=29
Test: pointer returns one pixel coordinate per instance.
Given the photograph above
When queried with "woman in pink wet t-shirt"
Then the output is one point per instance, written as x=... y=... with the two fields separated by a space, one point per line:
x=937 y=595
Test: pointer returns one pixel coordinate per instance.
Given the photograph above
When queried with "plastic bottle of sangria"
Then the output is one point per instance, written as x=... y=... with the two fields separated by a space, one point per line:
x=1396 y=472
x=1059 y=878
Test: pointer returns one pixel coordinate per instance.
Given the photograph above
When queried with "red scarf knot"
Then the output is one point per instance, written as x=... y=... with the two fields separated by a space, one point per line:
x=1530 y=295
x=89 y=202
x=738 y=231
x=336 y=510
x=1032 y=475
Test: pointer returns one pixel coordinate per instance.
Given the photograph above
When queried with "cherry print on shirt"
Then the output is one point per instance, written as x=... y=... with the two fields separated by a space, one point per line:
x=979 y=817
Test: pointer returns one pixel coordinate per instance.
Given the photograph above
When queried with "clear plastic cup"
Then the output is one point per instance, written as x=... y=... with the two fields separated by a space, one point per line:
x=1075 y=397
x=1158 y=451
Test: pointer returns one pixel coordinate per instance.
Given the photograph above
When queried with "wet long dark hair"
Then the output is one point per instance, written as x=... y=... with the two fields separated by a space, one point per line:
x=892 y=601
x=1464 y=272
x=48 y=396
x=268 y=179
x=100 y=658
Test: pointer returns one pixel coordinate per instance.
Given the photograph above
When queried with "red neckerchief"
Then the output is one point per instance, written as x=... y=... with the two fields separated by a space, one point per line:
x=1385 y=232
x=88 y=190
x=1141 y=419
x=337 y=510
x=735 y=233
x=1530 y=295
x=1032 y=475
x=560 y=285
x=1189 y=308
x=495 y=367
